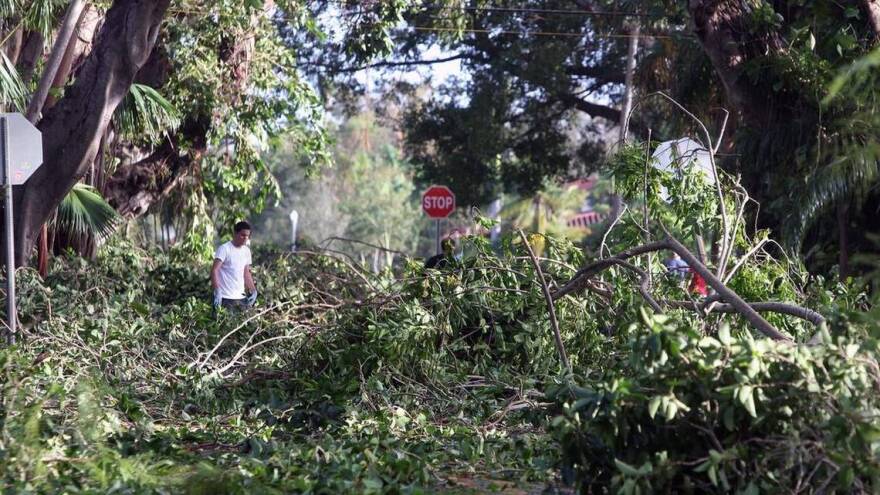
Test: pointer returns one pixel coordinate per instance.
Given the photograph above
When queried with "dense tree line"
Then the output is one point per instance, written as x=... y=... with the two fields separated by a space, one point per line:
x=542 y=84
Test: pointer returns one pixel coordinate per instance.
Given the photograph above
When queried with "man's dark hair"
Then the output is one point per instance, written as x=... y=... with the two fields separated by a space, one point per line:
x=242 y=225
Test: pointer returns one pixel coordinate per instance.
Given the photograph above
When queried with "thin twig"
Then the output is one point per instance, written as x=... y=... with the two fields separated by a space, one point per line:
x=725 y=292
x=204 y=361
x=646 y=207
x=742 y=260
x=603 y=247
x=553 y=323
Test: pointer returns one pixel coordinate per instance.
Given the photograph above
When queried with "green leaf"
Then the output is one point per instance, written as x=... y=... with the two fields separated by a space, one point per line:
x=626 y=469
x=713 y=474
x=747 y=399
x=653 y=405
x=12 y=89
x=145 y=115
x=84 y=212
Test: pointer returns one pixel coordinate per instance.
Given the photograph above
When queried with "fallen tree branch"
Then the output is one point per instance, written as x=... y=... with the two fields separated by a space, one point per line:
x=761 y=307
x=581 y=278
x=579 y=281
x=326 y=244
x=724 y=292
x=644 y=283
x=553 y=323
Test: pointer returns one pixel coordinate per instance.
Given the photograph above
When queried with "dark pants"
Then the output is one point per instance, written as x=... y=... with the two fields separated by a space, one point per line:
x=236 y=305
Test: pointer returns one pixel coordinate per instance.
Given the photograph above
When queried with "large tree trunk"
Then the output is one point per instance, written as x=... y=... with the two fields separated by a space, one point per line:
x=136 y=186
x=872 y=8
x=723 y=27
x=72 y=129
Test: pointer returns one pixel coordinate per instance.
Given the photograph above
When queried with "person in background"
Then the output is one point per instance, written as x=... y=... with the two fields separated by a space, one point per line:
x=676 y=266
x=231 y=272
x=440 y=260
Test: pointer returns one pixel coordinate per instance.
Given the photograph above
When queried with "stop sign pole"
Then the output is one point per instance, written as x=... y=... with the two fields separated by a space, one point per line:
x=438 y=202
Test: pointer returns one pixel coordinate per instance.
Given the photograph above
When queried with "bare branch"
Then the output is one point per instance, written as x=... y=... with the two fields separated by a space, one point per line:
x=762 y=307
x=553 y=323
x=402 y=63
x=579 y=281
x=872 y=8
x=726 y=293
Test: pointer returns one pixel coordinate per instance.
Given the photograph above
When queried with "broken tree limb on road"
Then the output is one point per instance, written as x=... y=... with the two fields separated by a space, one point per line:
x=579 y=282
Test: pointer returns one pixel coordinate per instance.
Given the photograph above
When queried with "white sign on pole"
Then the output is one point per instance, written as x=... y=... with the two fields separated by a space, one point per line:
x=683 y=156
x=25 y=148
x=21 y=153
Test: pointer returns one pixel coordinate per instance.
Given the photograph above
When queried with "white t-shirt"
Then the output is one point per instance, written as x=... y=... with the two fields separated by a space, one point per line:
x=230 y=280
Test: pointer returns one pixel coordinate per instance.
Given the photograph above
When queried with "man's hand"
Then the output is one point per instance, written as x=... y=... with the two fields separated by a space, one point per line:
x=252 y=299
x=218 y=300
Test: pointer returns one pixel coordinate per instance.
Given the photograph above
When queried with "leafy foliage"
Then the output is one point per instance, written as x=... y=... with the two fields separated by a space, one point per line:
x=83 y=212
x=145 y=115
x=689 y=412
x=12 y=89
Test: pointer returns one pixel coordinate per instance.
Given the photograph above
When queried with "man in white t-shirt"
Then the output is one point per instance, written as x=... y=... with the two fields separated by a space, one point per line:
x=231 y=273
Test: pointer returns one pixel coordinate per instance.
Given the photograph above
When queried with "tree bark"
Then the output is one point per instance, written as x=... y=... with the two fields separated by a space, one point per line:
x=62 y=68
x=13 y=45
x=72 y=129
x=843 y=238
x=723 y=28
x=872 y=8
x=61 y=47
x=30 y=54
x=134 y=188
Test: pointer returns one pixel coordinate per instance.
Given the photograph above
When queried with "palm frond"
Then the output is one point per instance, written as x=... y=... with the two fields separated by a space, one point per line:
x=12 y=90
x=84 y=211
x=853 y=171
x=8 y=8
x=145 y=114
x=856 y=74
x=41 y=15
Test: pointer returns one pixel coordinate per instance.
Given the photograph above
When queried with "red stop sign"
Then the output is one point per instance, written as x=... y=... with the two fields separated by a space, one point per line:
x=438 y=201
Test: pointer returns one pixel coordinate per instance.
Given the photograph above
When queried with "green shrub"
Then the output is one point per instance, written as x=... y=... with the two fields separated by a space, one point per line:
x=692 y=413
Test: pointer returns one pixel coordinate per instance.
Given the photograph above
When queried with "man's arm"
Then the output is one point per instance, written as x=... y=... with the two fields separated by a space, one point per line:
x=249 y=280
x=215 y=274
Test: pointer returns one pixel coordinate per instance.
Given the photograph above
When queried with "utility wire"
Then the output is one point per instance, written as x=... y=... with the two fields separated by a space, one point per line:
x=598 y=13
x=541 y=33
x=526 y=10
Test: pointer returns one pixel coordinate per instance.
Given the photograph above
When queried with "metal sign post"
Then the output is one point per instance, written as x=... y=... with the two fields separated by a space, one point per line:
x=18 y=164
x=10 y=248
x=294 y=219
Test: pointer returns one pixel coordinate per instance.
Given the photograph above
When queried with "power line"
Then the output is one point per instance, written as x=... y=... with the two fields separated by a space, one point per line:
x=531 y=10
x=599 y=13
x=538 y=33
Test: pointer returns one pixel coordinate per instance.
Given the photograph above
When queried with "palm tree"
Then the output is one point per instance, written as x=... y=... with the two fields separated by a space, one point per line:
x=84 y=216
x=545 y=213
x=848 y=155
x=12 y=90
x=145 y=115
